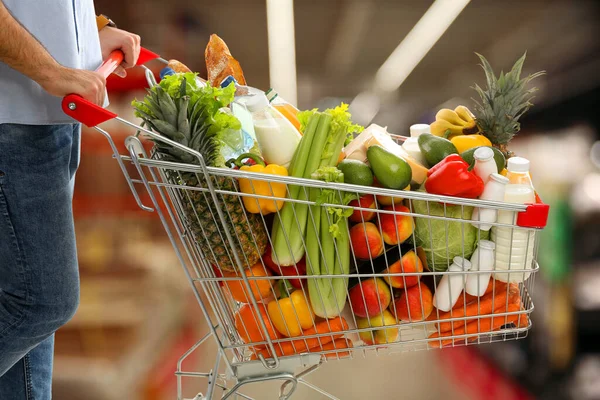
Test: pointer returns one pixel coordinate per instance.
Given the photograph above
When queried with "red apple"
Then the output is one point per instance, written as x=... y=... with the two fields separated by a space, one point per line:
x=370 y=297
x=396 y=228
x=366 y=240
x=415 y=304
x=366 y=201
x=409 y=263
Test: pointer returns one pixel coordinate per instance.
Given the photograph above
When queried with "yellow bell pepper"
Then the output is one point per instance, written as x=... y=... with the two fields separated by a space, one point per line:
x=291 y=314
x=256 y=205
x=466 y=142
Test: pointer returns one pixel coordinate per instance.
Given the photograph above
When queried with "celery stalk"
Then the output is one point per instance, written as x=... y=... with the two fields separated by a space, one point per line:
x=327 y=244
x=289 y=250
x=284 y=226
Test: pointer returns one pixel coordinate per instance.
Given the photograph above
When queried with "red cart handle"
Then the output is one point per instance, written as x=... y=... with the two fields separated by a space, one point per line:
x=89 y=113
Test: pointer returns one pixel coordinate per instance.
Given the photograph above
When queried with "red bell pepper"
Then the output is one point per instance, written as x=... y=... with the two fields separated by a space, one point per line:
x=451 y=157
x=451 y=177
x=292 y=270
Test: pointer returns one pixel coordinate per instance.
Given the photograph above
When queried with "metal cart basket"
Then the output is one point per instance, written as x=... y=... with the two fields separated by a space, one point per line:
x=199 y=207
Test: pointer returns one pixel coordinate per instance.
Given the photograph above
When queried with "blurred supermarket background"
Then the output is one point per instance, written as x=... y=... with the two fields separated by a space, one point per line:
x=137 y=313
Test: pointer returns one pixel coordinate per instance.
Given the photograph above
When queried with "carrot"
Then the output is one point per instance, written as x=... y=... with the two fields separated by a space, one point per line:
x=483 y=325
x=330 y=347
x=297 y=346
x=485 y=305
x=466 y=298
x=336 y=345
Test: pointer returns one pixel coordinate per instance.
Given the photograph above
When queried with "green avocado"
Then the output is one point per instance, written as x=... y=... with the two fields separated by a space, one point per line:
x=435 y=148
x=356 y=172
x=389 y=169
x=468 y=156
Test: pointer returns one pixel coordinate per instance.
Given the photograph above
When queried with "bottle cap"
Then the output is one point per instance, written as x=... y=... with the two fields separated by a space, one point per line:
x=257 y=103
x=227 y=81
x=418 y=129
x=487 y=244
x=483 y=154
x=166 y=71
x=271 y=94
x=462 y=262
x=499 y=178
x=518 y=164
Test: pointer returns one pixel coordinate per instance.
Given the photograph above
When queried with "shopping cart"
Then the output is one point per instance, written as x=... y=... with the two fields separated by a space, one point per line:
x=249 y=349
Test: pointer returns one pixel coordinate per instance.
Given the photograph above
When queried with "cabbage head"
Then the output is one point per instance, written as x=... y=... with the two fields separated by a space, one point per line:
x=443 y=240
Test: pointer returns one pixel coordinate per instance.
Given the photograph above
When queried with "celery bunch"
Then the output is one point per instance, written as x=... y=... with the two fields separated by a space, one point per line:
x=328 y=245
x=324 y=136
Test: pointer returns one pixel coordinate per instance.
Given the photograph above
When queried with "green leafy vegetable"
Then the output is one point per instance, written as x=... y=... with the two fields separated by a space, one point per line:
x=443 y=240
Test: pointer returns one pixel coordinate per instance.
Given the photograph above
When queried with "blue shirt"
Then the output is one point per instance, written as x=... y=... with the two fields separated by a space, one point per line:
x=67 y=29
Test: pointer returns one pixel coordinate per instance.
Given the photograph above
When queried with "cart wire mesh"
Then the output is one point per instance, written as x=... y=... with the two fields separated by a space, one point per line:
x=220 y=242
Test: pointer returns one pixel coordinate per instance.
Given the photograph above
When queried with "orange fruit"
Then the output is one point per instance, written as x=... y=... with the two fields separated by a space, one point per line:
x=260 y=288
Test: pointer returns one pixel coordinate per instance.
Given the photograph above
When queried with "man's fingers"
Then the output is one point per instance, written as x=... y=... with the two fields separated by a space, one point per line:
x=120 y=71
x=137 y=47
x=131 y=49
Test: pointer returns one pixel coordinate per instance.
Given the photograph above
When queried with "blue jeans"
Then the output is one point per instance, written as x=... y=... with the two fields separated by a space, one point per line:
x=39 y=277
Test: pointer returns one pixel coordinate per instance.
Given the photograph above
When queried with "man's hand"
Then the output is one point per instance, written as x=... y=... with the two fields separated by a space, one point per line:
x=62 y=81
x=116 y=39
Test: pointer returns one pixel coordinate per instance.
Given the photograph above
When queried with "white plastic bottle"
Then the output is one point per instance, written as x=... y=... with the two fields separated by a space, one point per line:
x=514 y=246
x=277 y=137
x=482 y=260
x=494 y=190
x=451 y=285
x=411 y=145
x=485 y=165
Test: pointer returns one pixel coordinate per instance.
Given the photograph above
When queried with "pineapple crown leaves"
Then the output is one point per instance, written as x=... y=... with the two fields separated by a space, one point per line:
x=180 y=110
x=504 y=100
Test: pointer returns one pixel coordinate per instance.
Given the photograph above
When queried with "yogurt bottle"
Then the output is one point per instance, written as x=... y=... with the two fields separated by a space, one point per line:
x=514 y=246
x=485 y=165
x=494 y=190
x=451 y=285
x=482 y=260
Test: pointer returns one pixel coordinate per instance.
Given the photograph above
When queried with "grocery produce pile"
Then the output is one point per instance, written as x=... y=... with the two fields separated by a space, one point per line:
x=325 y=262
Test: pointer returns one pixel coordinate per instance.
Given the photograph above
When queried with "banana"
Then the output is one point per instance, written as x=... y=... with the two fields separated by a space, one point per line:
x=450 y=116
x=440 y=126
x=459 y=121
x=465 y=114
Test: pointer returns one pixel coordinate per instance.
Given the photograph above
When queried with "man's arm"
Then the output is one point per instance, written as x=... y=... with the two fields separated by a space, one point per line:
x=22 y=52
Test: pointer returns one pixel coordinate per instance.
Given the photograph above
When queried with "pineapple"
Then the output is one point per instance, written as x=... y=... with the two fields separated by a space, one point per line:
x=192 y=120
x=503 y=102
